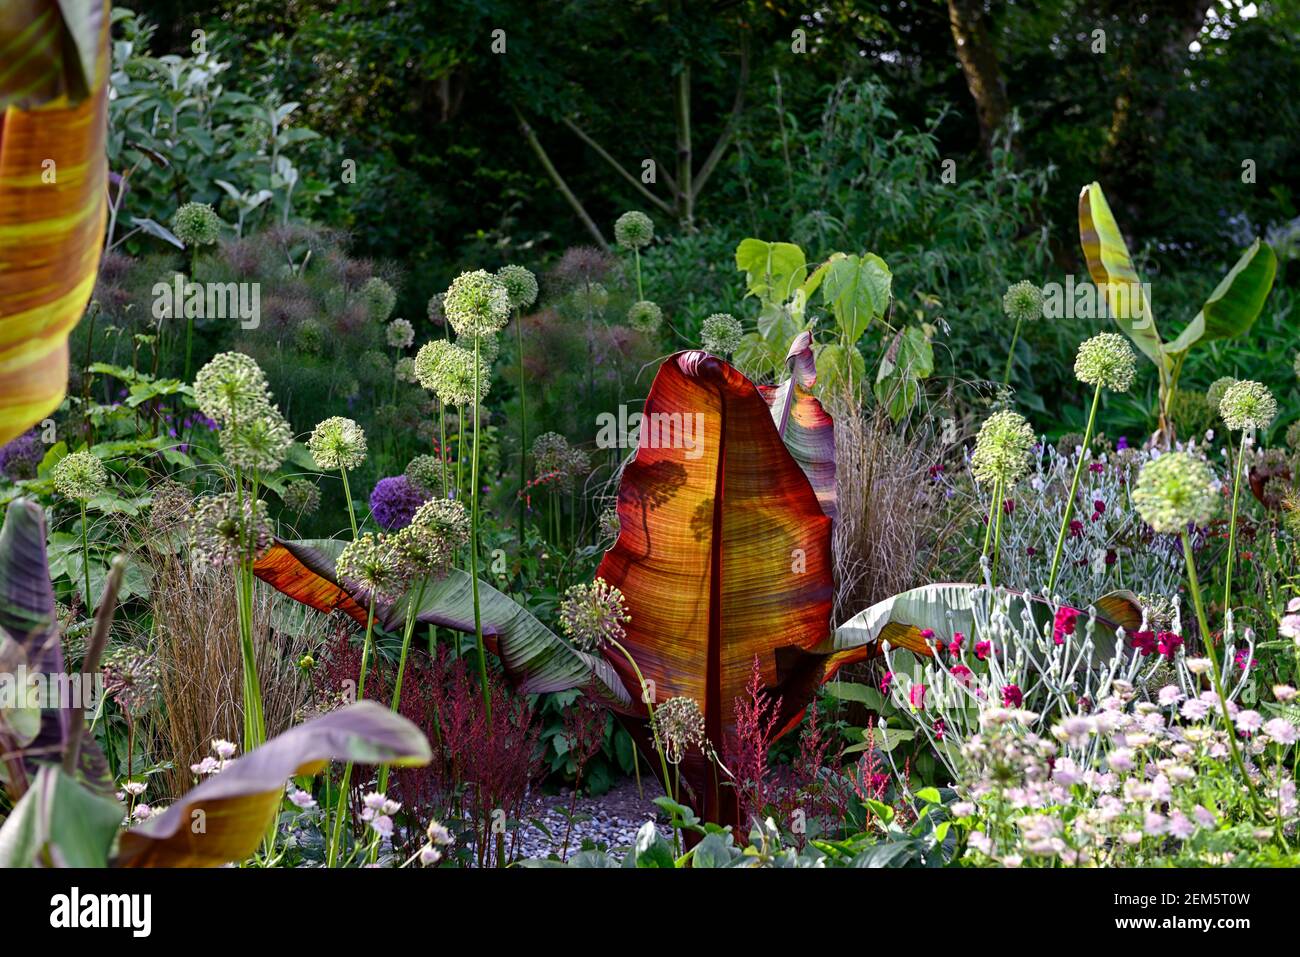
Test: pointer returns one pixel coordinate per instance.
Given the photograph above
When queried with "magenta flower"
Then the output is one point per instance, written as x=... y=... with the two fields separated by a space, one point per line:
x=1167 y=643
x=954 y=646
x=916 y=697
x=1243 y=660
x=1012 y=696
x=962 y=674
x=886 y=682
x=983 y=649
x=1066 y=619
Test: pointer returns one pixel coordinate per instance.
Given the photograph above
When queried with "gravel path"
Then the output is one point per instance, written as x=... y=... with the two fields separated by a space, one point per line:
x=611 y=819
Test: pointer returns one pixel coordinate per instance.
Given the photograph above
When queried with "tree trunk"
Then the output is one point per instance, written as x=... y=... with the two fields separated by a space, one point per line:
x=979 y=63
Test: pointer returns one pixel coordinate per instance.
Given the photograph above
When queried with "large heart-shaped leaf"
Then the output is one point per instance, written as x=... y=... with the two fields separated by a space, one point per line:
x=534 y=658
x=1112 y=270
x=53 y=173
x=723 y=555
x=227 y=816
x=800 y=419
x=857 y=290
x=1236 y=301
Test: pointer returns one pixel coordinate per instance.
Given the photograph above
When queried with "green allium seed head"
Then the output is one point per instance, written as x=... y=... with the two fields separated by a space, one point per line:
x=720 y=334
x=634 y=230
x=1023 y=301
x=1176 y=490
x=447 y=370
x=1247 y=405
x=1106 y=360
x=309 y=337
x=427 y=546
x=609 y=523
x=593 y=614
x=231 y=388
x=521 y=285
x=258 y=443
x=80 y=476
x=404 y=369
x=477 y=304
x=196 y=224
x=1002 y=449
x=1214 y=394
x=1293 y=435
x=226 y=532
x=371 y=565
x=399 y=334
x=644 y=316
x=551 y=452
x=301 y=497
x=379 y=298
x=337 y=443
x=425 y=471
x=680 y=724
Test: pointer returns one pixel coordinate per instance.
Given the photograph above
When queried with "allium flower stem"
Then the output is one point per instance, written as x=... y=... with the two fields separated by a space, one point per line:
x=994 y=503
x=640 y=293
x=1215 y=671
x=1232 y=529
x=344 y=798
x=523 y=430
x=442 y=443
x=1074 y=489
x=997 y=537
x=649 y=707
x=1015 y=337
x=408 y=631
x=85 y=560
x=473 y=553
x=347 y=496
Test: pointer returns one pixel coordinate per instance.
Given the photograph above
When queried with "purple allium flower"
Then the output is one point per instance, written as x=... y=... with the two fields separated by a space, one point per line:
x=19 y=459
x=394 y=502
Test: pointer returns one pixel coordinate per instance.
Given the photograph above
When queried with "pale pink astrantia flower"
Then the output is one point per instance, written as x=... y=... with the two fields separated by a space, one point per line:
x=1248 y=722
x=1170 y=695
x=1181 y=826
x=1280 y=730
x=300 y=798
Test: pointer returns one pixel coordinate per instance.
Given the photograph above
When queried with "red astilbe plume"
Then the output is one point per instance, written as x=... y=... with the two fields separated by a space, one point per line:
x=756 y=726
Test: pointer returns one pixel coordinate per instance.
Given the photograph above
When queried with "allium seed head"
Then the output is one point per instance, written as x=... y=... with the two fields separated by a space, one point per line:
x=645 y=316
x=258 y=443
x=399 y=334
x=1106 y=360
x=680 y=724
x=477 y=304
x=404 y=369
x=447 y=370
x=521 y=285
x=425 y=471
x=371 y=565
x=224 y=533
x=196 y=224
x=634 y=230
x=1023 y=301
x=378 y=297
x=231 y=388
x=337 y=443
x=1175 y=491
x=720 y=334
x=592 y=614
x=609 y=523
x=79 y=476
x=1002 y=449
x=1247 y=405
x=1214 y=394
x=301 y=497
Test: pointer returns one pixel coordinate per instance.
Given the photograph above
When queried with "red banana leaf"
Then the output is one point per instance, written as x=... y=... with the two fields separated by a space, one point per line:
x=236 y=806
x=54 y=66
x=723 y=555
x=534 y=659
x=807 y=428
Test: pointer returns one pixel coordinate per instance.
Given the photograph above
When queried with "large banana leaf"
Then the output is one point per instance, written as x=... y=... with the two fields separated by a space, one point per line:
x=59 y=823
x=27 y=610
x=1112 y=270
x=535 y=660
x=806 y=427
x=227 y=816
x=950 y=607
x=723 y=555
x=54 y=66
x=1236 y=301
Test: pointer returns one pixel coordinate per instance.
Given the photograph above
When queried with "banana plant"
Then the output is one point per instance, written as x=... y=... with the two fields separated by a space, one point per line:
x=1229 y=313
x=53 y=176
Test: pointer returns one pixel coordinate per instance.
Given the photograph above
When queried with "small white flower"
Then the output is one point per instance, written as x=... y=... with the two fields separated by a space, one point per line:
x=224 y=749
x=301 y=798
x=1198 y=666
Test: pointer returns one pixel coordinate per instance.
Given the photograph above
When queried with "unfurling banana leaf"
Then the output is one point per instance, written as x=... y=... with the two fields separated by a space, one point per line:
x=947 y=608
x=54 y=65
x=723 y=555
x=226 y=817
x=806 y=427
x=534 y=658
x=1235 y=303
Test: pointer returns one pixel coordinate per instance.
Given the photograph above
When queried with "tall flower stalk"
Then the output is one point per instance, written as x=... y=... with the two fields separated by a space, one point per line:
x=521 y=287
x=1173 y=493
x=635 y=230
x=1000 y=458
x=80 y=476
x=338 y=443
x=1106 y=361
x=1246 y=406
x=1023 y=301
